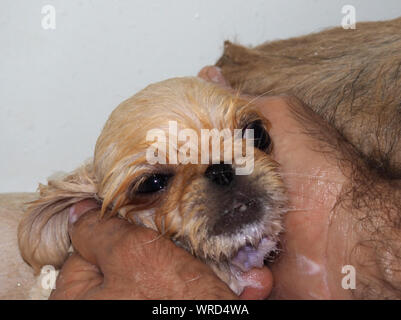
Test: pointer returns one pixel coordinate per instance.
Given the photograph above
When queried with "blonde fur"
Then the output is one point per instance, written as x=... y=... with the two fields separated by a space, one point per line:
x=43 y=233
x=119 y=158
x=181 y=211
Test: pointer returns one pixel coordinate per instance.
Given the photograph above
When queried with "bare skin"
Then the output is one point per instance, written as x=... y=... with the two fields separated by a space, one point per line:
x=123 y=262
x=316 y=243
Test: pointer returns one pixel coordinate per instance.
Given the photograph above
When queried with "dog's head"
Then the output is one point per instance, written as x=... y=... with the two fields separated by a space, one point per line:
x=198 y=191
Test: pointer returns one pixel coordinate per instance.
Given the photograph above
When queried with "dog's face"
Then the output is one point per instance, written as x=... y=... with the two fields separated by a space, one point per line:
x=230 y=221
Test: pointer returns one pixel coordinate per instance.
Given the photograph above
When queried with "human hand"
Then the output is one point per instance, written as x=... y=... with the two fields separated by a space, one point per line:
x=115 y=259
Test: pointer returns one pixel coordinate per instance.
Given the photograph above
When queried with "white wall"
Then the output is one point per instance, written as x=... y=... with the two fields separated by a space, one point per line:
x=57 y=87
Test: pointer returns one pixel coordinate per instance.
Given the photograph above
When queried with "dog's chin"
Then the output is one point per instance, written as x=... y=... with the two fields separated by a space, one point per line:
x=253 y=255
x=247 y=253
x=250 y=247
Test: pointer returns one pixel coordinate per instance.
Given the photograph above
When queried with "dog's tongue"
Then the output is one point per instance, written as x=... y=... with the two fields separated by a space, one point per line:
x=257 y=278
x=250 y=257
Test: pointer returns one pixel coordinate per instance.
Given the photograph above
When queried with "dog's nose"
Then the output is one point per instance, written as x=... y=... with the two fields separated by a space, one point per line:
x=221 y=174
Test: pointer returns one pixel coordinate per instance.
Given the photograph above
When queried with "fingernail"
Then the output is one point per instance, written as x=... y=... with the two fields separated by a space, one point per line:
x=214 y=74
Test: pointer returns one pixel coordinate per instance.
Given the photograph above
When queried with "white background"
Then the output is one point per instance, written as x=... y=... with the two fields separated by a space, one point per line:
x=57 y=87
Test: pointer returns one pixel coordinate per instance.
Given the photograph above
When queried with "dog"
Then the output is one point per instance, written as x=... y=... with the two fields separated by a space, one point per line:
x=231 y=222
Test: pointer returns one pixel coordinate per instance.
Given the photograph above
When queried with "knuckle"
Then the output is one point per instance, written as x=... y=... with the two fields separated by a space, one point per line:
x=136 y=241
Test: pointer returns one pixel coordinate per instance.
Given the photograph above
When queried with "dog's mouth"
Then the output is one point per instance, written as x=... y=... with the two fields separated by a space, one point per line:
x=253 y=256
x=247 y=223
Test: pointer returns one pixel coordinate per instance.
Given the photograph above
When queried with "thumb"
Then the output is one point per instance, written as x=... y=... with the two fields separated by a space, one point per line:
x=260 y=284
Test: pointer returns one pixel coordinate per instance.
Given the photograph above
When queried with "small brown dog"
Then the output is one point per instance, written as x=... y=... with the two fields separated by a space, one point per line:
x=230 y=221
x=352 y=78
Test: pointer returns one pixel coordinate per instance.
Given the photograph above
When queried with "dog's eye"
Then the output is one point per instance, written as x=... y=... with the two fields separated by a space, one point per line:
x=153 y=183
x=261 y=138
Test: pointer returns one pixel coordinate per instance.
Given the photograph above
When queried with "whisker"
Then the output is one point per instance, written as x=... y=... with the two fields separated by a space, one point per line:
x=303 y=209
x=258 y=97
x=302 y=175
x=262 y=94
x=193 y=279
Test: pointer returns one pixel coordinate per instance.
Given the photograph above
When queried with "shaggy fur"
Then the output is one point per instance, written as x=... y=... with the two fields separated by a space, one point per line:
x=352 y=78
x=194 y=211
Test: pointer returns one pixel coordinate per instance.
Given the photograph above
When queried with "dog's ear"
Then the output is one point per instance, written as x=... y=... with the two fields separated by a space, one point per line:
x=43 y=233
